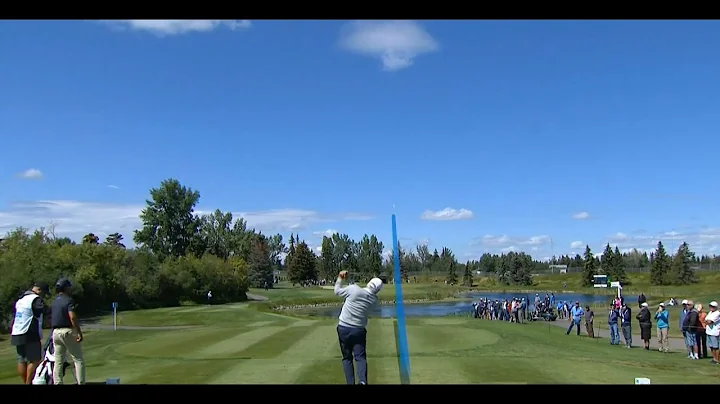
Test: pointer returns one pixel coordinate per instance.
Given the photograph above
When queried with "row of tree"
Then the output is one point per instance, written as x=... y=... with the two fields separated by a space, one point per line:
x=181 y=255
x=664 y=269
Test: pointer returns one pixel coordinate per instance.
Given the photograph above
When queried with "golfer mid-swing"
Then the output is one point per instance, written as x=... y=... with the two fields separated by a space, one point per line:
x=351 y=327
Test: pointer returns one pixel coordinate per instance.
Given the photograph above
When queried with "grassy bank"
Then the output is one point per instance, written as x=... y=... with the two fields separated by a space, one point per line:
x=638 y=282
x=241 y=345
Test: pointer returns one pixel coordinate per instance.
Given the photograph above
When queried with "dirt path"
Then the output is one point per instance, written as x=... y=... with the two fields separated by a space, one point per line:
x=675 y=343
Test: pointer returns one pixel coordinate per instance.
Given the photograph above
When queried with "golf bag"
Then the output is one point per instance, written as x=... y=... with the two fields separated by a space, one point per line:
x=44 y=371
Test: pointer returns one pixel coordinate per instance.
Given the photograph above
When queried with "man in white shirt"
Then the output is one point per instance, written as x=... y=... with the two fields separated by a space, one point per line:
x=712 y=331
x=351 y=330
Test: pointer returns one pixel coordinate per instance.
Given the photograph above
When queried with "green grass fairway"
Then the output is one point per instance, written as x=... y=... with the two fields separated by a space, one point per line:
x=237 y=344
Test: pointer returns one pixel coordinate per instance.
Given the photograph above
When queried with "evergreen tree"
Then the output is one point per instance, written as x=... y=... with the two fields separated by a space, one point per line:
x=619 y=268
x=452 y=274
x=589 y=270
x=260 y=264
x=660 y=266
x=607 y=262
x=302 y=267
x=682 y=272
x=467 y=277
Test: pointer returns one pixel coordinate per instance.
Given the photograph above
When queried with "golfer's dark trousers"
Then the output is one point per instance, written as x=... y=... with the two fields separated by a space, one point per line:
x=353 y=341
x=574 y=323
x=701 y=343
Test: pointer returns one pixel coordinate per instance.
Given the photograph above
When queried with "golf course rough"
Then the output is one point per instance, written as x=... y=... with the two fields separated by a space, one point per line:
x=247 y=346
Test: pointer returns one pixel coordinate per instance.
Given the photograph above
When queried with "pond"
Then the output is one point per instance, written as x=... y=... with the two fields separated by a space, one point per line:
x=440 y=309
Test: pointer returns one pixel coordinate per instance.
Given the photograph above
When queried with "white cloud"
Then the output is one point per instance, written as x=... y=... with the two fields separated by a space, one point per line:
x=581 y=216
x=113 y=186
x=505 y=241
x=31 y=174
x=577 y=244
x=396 y=43
x=177 y=27
x=704 y=240
x=447 y=214
x=75 y=219
x=325 y=233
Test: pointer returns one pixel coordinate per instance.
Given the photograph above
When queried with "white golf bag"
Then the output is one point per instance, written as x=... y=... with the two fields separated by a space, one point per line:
x=44 y=371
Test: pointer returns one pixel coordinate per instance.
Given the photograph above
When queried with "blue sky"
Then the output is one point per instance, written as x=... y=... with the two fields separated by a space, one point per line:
x=540 y=136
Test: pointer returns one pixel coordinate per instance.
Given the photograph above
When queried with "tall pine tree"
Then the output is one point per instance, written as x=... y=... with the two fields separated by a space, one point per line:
x=619 y=267
x=467 y=277
x=660 y=266
x=589 y=270
x=607 y=262
x=682 y=272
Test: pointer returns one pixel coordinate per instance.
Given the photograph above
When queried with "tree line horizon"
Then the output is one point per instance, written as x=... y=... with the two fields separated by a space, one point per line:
x=179 y=256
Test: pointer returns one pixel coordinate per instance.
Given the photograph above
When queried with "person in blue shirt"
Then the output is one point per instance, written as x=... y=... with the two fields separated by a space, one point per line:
x=662 y=318
x=626 y=324
x=576 y=313
x=613 y=323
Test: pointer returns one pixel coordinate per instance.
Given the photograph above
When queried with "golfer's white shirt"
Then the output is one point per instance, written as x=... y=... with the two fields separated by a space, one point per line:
x=358 y=303
x=713 y=329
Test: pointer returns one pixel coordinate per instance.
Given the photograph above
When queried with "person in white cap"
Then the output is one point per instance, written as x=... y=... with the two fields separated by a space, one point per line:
x=712 y=330
x=662 y=319
x=351 y=330
x=643 y=317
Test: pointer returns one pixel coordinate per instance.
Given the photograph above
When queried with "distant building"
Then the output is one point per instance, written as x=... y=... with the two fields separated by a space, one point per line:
x=558 y=268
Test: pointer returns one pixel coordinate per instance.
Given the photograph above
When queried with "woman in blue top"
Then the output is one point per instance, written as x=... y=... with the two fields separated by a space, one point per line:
x=662 y=317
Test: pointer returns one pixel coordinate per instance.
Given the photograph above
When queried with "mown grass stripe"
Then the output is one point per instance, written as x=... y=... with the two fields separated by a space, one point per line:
x=276 y=344
x=236 y=343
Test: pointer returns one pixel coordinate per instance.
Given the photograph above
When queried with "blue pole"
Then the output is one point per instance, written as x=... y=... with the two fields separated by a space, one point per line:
x=401 y=343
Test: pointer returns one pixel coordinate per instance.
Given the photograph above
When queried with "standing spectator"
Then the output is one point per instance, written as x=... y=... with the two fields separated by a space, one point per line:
x=26 y=330
x=576 y=314
x=67 y=335
x=683 y=313
x=700 y=340
x=589 y=317
x=613 y=323
x=626 y=324
x=209 y=297
x=645 y=324
x=712 y=320
x=690 y=326
x=663 y=325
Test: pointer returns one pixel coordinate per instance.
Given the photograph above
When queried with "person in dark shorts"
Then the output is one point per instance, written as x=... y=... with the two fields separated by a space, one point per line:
x=643 y=317
x=67 y=335
x=26 y=334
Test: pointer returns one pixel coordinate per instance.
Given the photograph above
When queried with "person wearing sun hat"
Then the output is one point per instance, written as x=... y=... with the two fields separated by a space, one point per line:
x=662 y=318
x=712 y=331
x=643 y=317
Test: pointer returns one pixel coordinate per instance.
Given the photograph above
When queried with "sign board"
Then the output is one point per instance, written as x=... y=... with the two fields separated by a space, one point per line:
x=114 y=305
x=615 y=285
x=642 y=380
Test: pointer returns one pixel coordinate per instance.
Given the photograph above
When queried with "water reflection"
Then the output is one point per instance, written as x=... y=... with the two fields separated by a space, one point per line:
x=440 y=309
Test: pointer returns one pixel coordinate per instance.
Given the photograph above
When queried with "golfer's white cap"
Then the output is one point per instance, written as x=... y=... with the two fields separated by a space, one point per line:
x=661 y=304
x=375 y=285
x=644 y=305
x=684 y=301
x=713 y=304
